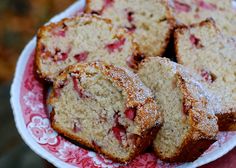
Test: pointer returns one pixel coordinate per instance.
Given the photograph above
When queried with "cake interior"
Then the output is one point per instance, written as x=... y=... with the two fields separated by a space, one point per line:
x=93 y=110
x=82 y=39
x=147 y=20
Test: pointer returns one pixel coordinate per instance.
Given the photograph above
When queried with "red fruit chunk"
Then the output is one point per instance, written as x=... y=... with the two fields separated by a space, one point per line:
x=131 y=29
x=59 y=32
x=195 y=41
x=78 y=89
x=130 y=113
x=59 y=56
x=205 y=5
x=130 y=16
x=116 y=117
x=119 y=132
x=134 y=60
x=107 y=3
x=207 y=76
x=76 y=128
x=116 y=45
x=181 y=7
x=62 y=57
x=81 y=57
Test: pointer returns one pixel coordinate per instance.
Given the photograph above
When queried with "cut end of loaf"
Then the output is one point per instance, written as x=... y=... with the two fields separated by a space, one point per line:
x=150 y=21
x=105 y=108
x=204 y=49
x=188 y=117
x=81 y=39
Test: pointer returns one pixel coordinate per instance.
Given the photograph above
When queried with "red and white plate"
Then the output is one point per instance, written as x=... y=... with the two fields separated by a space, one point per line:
x=31 y=116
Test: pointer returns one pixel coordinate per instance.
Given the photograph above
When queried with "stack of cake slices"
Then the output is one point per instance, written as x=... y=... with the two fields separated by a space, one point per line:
x=114 y=93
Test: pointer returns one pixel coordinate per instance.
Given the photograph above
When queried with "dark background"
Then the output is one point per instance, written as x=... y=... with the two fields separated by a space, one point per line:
x=19 y=21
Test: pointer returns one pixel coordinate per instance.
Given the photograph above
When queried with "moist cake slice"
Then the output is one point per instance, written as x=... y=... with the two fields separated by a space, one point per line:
x=81 y=39
x=105 y=108
x=204 y=49
x=149 y=21
x=190 y=125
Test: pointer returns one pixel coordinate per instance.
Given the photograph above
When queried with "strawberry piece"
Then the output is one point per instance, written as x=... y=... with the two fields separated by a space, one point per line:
x=76 y=128
x=62 y=57
x=132 y=28
x=81 y=57
x=107 y=3
x=59 y=32
x=116 y=117
x=59 y=56
x=116 y=45
x=207 y=76
x=130 y=113
x=130 y=16
x=205 y=5
x=181 y=7
x=119 y=132
x=134 y=60
x=195 y=41
x=78 y=89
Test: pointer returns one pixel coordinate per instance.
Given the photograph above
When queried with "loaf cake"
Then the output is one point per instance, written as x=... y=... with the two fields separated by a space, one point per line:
x=81 y=39
x=203 y=48
x=190 y=125
x=105 y=108
x=193 y=11
x=149 y=21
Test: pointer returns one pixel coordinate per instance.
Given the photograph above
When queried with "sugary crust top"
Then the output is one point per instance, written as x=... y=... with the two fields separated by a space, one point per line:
x=148 y=114
x=198 y=102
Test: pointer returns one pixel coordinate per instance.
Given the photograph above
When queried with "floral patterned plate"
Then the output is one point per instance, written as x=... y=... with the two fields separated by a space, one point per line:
x=31 y=116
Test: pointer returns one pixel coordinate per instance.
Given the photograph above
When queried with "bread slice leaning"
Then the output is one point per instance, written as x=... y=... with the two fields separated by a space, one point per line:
x=190 y=125
x=149 y=21
x=204 y=49
x=83 y=38
x=105 y=108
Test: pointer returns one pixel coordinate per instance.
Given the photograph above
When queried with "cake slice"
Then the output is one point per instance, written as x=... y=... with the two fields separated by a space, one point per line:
x=190 y=125
x=81 y=39
x=193 y=11
x=149 y=21
x=204 y=49
x=105 y=108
